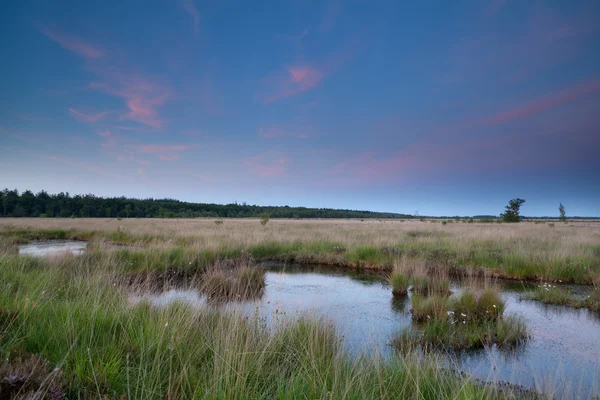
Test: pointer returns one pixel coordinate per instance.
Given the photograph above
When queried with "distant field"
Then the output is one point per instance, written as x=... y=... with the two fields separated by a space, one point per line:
x=544 y=250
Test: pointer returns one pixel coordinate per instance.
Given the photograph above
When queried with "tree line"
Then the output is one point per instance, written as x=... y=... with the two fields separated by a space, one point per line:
x=64 y=205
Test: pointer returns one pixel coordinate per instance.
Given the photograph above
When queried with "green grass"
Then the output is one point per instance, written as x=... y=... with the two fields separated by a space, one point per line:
x=500 y=257
x=439 y=334
x=550 y=294
x=399 y=283
x=425 y=285
x=71 y=316
x=471 y=320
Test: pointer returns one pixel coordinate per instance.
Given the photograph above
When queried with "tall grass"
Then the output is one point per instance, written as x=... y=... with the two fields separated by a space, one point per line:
x=525 y=251
x=71 y=314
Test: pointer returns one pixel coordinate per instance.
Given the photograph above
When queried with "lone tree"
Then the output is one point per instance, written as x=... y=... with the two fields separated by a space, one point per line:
x=561 y=210
x=264 y=218
x=512 y=211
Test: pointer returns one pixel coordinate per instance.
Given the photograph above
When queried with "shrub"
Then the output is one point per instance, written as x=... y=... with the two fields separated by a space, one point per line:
x=264 y=218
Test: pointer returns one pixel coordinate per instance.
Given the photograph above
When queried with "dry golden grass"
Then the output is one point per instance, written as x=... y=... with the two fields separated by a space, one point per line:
x=561 y=240
x=555 y=252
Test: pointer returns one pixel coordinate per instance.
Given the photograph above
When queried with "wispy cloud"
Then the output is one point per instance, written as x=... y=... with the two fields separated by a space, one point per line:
x=545 y=38
x=548 y=102
x=72 y=43
x=87 y=116
x=188 y=5
x=143 y=96
x=268 y=164
x=331 y=14
x=295 y=80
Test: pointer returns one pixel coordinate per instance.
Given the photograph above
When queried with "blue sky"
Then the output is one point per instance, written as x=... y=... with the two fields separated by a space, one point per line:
x=440 y=108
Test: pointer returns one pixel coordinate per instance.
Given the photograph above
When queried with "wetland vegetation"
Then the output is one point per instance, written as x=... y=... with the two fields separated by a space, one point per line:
x=111 y=346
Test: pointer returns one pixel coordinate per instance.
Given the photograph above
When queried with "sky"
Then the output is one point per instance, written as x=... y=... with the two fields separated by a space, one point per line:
x=432 y=107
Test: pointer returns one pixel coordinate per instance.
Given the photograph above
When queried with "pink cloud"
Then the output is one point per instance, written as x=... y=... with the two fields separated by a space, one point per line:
x=87 y=117
x=296 y=79
x=278 y=133
x=145 y=162
x=299 y=78
x=106 y=133
x=188 y=5
x=143 y=96
x=72 y=43
x=546 y=103
x=144 y=110
x=268 y=164
x=141 y=171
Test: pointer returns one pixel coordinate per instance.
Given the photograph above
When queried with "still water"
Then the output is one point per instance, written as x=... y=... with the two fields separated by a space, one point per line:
x=562 y=356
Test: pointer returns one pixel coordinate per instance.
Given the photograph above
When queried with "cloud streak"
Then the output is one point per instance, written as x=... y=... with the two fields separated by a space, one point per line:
x=188 y=5
x=143 y=96
x=87 y=117
x=72 y=43
x=295 y=80
x=268 y=165
x=546 y=103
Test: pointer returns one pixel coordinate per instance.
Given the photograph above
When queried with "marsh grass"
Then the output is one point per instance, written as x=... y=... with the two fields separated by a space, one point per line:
x=509 y=331
x=431 y=286
x=524 y=251
x=75 y=320
x=471 y=320
x=237 y=282
x=400 y=283
x=550 y=294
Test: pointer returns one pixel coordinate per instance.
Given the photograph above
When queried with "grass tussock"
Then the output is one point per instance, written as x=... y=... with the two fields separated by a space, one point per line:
x=109 y=348
x=239 y=282
x=431 y=286
x=400 y=283
x=471 y=320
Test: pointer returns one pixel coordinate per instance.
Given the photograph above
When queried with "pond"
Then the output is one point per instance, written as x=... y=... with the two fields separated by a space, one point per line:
x=563 y=353
x=53 y=248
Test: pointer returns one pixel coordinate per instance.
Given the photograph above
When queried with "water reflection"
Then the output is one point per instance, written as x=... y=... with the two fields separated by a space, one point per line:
x=53 y=248
x=564 y=349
